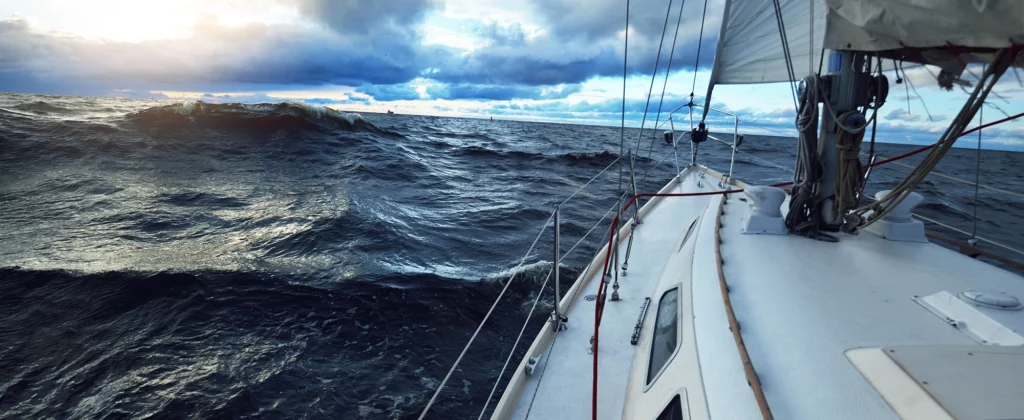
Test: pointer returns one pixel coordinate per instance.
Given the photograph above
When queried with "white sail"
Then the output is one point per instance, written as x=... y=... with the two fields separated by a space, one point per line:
x=750 y=50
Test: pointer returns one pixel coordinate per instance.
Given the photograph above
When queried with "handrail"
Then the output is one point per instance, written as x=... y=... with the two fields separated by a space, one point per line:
x=512 y=351
x=752 y=157
x=735 y=132
x=676 y=109
x=515 y=272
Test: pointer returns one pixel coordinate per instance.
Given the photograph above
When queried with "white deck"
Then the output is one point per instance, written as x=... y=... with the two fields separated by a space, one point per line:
x=566 y=388
x=801 y=305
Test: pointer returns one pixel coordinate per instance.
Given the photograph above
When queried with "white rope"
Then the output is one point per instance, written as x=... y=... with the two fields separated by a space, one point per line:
x=515 y=272
x=606 y=168
x=835 y=118
x=534 y=307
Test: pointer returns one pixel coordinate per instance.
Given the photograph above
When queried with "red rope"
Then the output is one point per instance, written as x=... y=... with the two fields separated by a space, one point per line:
x=919 y=150
x=905 y=155
x=601 y=289
x=987 y=125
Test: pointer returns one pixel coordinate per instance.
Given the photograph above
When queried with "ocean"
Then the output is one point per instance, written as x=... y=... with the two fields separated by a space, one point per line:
x=194 y=260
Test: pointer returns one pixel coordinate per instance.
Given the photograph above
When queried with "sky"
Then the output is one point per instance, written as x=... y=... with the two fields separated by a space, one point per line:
x=536 y=60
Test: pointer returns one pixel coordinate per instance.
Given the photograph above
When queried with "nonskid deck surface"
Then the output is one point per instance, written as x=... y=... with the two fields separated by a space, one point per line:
x=561 y=387
x=802 y=304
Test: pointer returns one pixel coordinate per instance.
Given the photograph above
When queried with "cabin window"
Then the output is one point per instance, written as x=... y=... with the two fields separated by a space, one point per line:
x=666 y=333
x=674 y=411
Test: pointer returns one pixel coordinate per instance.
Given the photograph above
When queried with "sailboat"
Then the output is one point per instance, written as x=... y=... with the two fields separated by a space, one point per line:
x=718 y=298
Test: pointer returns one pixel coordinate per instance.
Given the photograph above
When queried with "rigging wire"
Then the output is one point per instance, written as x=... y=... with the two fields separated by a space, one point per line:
x=522 y=330
x=977 y=174
x=625 y=62
x=962 y=88
x=654 y=76
x=899 y=69
x=650 y=90
x=953 y=178
x=664 y=85
x=911 y=84
x=515 y=271
x=622 y=140
x=695 y=145
x=968 y=70
x=785 y=51
x=696 y=63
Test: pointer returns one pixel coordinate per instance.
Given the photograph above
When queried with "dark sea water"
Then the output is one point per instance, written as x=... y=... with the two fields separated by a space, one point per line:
x=283 y=261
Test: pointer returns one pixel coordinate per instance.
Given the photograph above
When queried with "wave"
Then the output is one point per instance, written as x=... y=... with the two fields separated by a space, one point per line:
x=41 y=107
x=212 y=343
x=603 y=157
x=262 y=118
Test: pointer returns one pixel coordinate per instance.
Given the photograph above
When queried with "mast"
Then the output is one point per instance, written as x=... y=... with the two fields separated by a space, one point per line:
x=846 y=86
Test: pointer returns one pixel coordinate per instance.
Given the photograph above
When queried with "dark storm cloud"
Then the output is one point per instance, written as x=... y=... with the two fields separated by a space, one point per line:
x=371 y=44
x=252 y=54
x=601 y=19
x=367 y=17
x=582 y=40
x=547 y=65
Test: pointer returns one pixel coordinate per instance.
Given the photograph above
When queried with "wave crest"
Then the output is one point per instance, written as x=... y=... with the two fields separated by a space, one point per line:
x=263 y=117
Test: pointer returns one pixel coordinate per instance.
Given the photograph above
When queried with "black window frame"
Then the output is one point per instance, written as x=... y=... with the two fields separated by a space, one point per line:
x=654 y=371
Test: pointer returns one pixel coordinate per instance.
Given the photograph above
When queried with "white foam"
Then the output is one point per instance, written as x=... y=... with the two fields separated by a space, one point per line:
x=188 y=108
x=538 y=267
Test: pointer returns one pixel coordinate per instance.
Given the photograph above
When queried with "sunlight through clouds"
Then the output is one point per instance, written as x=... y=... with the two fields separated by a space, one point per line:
x=552 y=60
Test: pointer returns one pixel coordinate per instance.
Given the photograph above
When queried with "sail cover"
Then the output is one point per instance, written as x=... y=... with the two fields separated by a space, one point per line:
x=880 y=25
x=750 y=48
